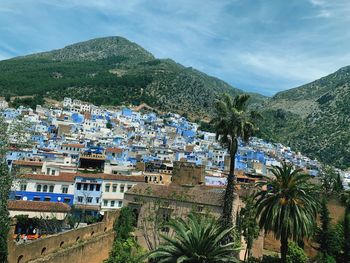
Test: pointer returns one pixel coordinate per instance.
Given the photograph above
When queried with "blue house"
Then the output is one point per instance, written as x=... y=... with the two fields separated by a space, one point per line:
x=87 y=193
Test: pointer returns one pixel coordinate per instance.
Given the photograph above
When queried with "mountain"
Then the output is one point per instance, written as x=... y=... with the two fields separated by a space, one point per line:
x=313 y=118
x=114 y=71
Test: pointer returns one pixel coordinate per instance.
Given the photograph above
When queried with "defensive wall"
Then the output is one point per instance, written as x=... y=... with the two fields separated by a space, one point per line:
x=90 y=244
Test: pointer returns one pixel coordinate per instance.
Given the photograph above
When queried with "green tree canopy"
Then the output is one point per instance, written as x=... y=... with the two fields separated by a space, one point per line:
x=288 y=207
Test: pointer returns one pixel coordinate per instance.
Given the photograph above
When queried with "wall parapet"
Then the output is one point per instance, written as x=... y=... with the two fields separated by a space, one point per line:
x=22 y=253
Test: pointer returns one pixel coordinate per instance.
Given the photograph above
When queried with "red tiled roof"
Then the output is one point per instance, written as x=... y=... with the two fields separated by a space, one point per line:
x=117 y=177
x=88 y=207
x=114 y=150
x=62 y=177
x=20 y=205
x=27 y=163
x=76 y=145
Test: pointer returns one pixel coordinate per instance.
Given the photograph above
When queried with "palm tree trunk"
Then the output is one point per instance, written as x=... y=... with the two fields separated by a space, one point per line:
x=284 y=248
x=227 y=216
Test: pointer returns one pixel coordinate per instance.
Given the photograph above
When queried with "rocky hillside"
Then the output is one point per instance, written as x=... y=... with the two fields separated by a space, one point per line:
x=113 y=71
x=313 y=118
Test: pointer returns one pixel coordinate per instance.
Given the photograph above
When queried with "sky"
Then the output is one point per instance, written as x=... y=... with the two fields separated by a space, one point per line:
x=263 y=46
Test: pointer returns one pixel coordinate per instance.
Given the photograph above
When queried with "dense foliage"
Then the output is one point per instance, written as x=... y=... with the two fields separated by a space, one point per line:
x=125 y=248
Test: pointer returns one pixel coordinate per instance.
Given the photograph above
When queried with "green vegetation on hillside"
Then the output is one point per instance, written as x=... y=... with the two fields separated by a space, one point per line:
x=113 y=71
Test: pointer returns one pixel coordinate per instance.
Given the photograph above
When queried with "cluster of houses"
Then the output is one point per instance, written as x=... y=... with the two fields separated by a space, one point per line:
x=90 y=157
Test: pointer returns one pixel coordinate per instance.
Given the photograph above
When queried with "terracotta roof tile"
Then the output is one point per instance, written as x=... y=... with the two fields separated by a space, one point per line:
x=114 y=150
x=20 y=205
x=62 y=177
x=76 y=145
x=27 y=163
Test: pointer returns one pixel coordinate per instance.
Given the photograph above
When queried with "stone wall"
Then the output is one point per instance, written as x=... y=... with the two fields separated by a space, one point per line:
x=186 y=173
x=81 y=245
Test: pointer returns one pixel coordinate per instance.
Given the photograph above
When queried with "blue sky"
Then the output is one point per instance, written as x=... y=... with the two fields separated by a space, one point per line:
x=262 y=46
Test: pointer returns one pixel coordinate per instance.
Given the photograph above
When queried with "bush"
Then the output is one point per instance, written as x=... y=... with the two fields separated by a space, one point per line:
x=324 y=258
x=296 y=254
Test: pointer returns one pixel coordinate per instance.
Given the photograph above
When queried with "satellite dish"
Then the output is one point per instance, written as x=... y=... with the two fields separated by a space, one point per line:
x=25 y=198
x=59 y=198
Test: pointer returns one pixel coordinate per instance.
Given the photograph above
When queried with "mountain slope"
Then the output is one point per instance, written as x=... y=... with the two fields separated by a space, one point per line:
x=113 y=71
x=313 y=118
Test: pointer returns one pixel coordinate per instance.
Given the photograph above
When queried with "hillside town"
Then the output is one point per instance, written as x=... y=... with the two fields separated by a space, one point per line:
x=82 y=161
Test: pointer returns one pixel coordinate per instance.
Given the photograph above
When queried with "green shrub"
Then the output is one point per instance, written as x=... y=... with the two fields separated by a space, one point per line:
x=296 y=254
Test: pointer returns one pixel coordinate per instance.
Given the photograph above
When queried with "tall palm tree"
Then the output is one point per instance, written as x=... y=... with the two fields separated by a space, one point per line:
x=232 y=121
x=288 y=207
x=197 y=240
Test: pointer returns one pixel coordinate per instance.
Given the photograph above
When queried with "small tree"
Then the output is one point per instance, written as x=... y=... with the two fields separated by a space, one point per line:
x=330 y=180
x=125 y=249
x=248 y=225
x=326 y=234
x=6 y=180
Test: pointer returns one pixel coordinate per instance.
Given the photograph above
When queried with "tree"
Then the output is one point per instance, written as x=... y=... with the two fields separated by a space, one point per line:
x=232 y=121
x=326 y=234
x=197 y=240
x=6 y=179
x=124 y=225
x=247 y=224
x=125 y=248
x=288 y=207
x=345 y=197
x=330 y=180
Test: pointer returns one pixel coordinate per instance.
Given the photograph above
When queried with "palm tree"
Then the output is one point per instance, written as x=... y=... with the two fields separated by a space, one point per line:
x=232 y=121
x=197 y=240
x=288 y=207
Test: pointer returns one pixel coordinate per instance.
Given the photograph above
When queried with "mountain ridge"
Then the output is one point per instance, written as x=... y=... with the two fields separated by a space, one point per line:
x=312 y=118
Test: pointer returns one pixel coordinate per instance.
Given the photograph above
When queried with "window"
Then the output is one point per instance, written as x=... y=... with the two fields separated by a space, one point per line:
x=97 y=200
x=45 y=188
x=89 y=199
x=47 y=199
x=122 y=188
x=53 y=172
x=107 y=187
x=51 y=188
x=129 y=187
x=36 y=198
x=91 y=187
x=85 y=187
x=78 y=186
x=64 y=189
x=80 y=199
x=98 y=186
x=48 y=171
x=112 y=203
x=18 y=197
x=105 y=202
x=66 y=200
x=23 y=187
x=120 y=203
x=38 y=188
x=114 y=188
